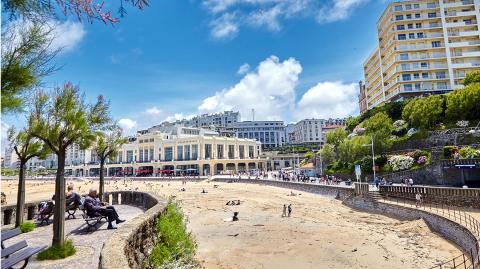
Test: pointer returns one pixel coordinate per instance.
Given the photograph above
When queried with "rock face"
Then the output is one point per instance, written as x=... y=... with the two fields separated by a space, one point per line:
x=131 y=245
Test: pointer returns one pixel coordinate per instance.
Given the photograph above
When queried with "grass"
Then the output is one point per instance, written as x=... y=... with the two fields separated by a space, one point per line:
x=27 y=226
x=175 y=246
x=57 y=252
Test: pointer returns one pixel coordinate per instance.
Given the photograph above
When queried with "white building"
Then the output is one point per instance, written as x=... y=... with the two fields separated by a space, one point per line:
x=309 y=131
x=270 y=133
x=181 y=150
x=290 y=133
x=10 y=158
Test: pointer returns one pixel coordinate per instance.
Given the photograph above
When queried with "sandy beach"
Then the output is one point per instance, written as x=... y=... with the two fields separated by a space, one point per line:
x=321 y=233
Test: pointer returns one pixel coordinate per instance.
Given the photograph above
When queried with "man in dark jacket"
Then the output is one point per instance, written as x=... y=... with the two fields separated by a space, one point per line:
x=95 y=209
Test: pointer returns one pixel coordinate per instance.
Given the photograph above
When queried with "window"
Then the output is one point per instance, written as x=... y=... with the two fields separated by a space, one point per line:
x=208 y=151
x=431 y=5
x=399 y=17
x=418 y=25
x=151 y=155
x=409 y=16
x=440 y=75
x=417 y=16
x=432 y=15
x=168 y=154
x=417 y=86
x=411 y=36
x=408 y=6
x=416 y=76
x=141 y=155
x=250 y=152
x=423 y=64
x=397 y=8
x=442 y=85
x=231 y=151
x=241 y=151
x=219 y=151
x=424 y=75
x=436 y=44
x=403 y=56
x=407 y=87
x=405 y=67
x=194 y=152
x=187 y=152
x=420 y=35
x=179 y=153
x=410 y=26
x=401 y=27
x=402 y=37
x=129 y=156
x=406 y=77
x=416 y=6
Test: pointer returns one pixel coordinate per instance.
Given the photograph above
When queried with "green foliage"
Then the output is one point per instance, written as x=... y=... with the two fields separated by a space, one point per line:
x=27 y=226
x=175 y=244
x=379 y=127
x=335 y=138
x=354 y=149
x=381 y=160
x=472 y=77
x=352 y=122
x=57 y=252
x=448 y=151
x=392 y=109
x=327 y=153
x=463 y=104
x=423 y=113
x=418 y=153
x=469 y=153
x=26 y=58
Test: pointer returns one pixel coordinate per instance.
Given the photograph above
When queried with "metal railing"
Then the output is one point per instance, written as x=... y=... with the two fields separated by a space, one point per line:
x=466 y=260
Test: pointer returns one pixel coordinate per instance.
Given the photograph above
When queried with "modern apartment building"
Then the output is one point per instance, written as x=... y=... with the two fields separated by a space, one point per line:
x=309 y=131
x=181 y=150
x=270 y=133
x=424 y=47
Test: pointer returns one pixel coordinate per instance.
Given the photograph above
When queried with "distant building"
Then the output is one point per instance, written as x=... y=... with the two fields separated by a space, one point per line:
x=222 y=119
x=10 y=158
x=309 y=131
x=290 y=133
x=270 y=133
x=362 y=99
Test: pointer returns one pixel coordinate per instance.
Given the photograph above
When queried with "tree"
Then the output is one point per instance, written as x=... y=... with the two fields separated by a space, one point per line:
x=25 y=147
x=424 y=112
x=463 y=104
x=26 y=58
x=106 y=147
x=472 y=77
x=60 y=120
x=379 y=128
x=335 y=138
x=82 y=9
x=352 y=122
x=327 y=153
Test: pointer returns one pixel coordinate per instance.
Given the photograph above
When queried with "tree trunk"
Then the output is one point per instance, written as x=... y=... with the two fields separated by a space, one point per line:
x=59 y=213
x=21 y=194
x=101 y=187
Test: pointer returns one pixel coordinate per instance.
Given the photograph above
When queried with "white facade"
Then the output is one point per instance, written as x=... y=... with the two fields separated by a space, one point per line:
x=309 y=131
x=181 y=150
x=270 y=133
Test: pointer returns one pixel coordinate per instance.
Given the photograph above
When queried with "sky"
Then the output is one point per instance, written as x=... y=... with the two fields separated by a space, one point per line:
x=286 y=59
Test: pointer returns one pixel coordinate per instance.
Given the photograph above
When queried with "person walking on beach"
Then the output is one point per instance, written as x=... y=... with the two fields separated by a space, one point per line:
x=289 y=210
x=284 y=210
x=418 y=199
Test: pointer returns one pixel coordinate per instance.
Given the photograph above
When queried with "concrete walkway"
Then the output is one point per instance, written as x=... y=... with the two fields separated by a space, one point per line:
x=88 y=244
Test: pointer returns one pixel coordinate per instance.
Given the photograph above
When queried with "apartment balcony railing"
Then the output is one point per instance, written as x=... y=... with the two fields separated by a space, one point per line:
x=421 y=17
x=460 y=13
x=417 y=47
x=464 y=33
x=465 y=43
x=422 y=6
x=421 y=57
x=402 y=89
x=419 y=68
x=458 y=4
x=465 y=65
x=466 y=53
x=401 y=79
x=460 y=23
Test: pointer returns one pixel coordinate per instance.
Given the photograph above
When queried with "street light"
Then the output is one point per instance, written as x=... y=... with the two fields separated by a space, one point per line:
x=373 y=157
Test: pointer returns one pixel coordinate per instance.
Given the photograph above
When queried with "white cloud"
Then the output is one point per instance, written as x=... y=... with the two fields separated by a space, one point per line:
x=154 y=111
x=328 y=100
x=67 y=34
x=243 y=69
x=270 y=90
x=224 y=27
x=228 y=16
x=128 y=126
x=338 y=10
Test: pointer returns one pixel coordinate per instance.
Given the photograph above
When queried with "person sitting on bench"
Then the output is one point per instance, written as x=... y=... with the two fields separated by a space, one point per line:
x=95 y=208
x=73 y=198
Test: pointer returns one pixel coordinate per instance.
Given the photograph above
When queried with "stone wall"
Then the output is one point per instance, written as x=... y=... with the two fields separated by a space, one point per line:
x=132 y=243
x=450 y=230
x=327 y=190
x=8 y=212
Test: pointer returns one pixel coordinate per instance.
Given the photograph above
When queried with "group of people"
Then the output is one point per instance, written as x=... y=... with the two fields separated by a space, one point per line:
x=287 y=210
x=407 y=181
x=91 y=203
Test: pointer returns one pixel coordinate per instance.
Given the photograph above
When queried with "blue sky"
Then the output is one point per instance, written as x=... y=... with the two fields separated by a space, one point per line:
x=301 y=58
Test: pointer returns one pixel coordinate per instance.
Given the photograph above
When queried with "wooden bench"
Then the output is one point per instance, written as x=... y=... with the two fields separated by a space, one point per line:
x=17 y=252
x=92 y=221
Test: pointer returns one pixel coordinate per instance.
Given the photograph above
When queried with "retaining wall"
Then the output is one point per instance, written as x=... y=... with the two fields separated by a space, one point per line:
x=132 y=243
x=327 y=190
x=450 y=230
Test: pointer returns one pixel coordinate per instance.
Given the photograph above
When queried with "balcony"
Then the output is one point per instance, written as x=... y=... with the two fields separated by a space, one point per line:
x=466 y=54
x=458 y=4
x=464 y=33
x=460 y=13
x=418 y=67
x=465 y=65
x=460 y=24
x=422 y=57
x=417 y=47
x=465 y=43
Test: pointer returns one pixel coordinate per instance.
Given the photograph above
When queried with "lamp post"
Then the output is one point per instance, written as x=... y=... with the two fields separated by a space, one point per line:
x=373 y=157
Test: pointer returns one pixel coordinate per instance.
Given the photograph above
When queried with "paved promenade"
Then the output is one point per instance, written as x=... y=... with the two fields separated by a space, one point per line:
x=88 y=244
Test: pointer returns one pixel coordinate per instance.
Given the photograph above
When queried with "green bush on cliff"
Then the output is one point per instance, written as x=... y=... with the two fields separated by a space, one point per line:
x=176 y=247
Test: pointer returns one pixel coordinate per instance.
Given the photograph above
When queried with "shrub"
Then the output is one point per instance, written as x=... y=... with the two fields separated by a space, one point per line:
x=400 y=162
x=469 y=153
x=422 y=160
x=57 y=252
x=448 y=151
x=175 y=244
x=381 y=160
x=27 y=226
x=419 y=153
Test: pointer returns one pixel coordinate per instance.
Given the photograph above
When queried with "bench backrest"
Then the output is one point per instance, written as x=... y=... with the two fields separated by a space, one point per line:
x=10 y=233
x=13 y=248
